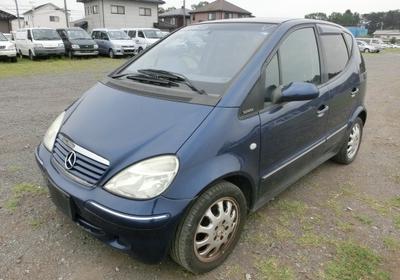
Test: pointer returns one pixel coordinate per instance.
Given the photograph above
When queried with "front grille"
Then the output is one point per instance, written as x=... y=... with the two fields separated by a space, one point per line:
x=86 y=168
x=86 y=47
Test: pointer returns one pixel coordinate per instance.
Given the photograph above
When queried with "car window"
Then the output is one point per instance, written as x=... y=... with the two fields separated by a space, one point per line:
x=349 y=42
x=132 y=34
x=140 y=34
x=2 y=37
x=104 y=36
x=299 y=58
x=271 y=76
x=336 y=54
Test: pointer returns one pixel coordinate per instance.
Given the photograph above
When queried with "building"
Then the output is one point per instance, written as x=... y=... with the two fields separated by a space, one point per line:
x=46 y=15
x=175 y=17
x=5 y=21
x=387 y=35
x=121 y=13
x=219 y=9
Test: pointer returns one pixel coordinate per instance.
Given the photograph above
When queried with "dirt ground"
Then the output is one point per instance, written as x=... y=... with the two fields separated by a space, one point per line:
x=338 y=222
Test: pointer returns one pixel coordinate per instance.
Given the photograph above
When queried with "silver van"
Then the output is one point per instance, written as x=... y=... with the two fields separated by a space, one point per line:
x=113 y=42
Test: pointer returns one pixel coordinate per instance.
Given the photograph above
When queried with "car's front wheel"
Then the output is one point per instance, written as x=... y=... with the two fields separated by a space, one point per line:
x=351 y=144
x=211 y=228
x=111 y=53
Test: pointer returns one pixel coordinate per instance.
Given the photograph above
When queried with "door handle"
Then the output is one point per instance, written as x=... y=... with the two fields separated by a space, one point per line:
x=354 y=92
x=322 y=110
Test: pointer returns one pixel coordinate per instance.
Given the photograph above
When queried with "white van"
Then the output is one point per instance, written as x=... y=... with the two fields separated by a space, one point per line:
x=375 y=42
x=144 y=37
x=7 y=49
x=35 y=42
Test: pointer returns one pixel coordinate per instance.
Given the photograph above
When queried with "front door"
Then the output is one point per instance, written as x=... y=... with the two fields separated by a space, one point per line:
x=292 y=133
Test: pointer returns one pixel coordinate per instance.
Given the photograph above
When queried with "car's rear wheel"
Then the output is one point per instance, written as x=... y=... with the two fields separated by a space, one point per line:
x=351 y=144
x=211 y=228
x=366 y=50
x=111 y=54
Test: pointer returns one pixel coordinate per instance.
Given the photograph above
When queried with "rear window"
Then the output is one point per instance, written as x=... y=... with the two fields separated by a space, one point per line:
x=336 y=54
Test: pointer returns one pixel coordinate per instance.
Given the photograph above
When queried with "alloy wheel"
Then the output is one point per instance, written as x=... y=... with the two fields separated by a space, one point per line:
x=354 y=141
x=216 y=229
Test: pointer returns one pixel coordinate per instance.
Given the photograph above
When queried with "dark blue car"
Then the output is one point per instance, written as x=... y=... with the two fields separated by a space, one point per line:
x=172 y=150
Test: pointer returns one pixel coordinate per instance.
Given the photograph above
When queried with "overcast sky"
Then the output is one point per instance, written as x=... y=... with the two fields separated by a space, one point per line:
x=259 y=8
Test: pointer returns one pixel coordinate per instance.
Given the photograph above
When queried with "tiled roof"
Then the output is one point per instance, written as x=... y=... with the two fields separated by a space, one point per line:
x=175 y=12
x=221 y=5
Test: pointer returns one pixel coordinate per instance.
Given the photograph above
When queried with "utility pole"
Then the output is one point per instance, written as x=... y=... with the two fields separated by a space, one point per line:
x=66 y=12
x=16 y=7
x=184 y=12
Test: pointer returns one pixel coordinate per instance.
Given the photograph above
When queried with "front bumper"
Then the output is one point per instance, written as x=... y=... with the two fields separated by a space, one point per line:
x=8 y=53
x=125 y=51
x=85 y=52
x=142 y=228
x=49 y=51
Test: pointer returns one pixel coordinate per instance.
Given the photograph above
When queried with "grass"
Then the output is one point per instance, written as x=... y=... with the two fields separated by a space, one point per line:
x=363 y=219
x=291 y=208
x=270 y=269
x=391 y=244
x=311 y=240
x=19 y=191
x=25 y=67
x=353 y=262
x=396 y=222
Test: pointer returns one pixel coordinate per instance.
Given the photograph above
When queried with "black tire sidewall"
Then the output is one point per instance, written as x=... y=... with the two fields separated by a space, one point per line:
x=184 y=247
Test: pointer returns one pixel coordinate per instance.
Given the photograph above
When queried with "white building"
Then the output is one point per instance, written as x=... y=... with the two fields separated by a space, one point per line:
x=46 y=15
x=120 y=13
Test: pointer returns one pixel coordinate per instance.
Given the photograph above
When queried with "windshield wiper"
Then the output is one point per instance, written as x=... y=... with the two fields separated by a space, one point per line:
x=175 y=77
x=147 y=79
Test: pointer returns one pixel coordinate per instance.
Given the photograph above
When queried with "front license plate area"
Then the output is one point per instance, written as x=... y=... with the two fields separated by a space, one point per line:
x=62 y=200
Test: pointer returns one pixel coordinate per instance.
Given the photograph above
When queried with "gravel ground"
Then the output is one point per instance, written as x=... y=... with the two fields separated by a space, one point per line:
x=300 y=235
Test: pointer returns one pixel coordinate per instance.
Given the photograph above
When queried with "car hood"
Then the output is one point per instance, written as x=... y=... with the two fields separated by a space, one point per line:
x=86 y=42
x=124 y=127
x=123 y=42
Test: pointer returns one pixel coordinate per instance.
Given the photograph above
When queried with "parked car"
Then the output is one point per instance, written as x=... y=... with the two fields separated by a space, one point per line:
x=113 y=42
x=376 y=42
x=172 y=150
x=9 y=37
x=364 y=47
x=7 y=49
x=144 y=37
x=39 y=42
x=77 y=42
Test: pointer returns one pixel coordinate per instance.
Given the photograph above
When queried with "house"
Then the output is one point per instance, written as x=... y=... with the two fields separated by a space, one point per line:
x=175 y=17
x=219 y=9
x=46 y=15
x=387 y=35
x=121 y=13
x=5 y=21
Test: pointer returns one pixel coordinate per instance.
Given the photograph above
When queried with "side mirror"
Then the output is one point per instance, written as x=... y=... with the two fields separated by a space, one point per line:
x=295 y=91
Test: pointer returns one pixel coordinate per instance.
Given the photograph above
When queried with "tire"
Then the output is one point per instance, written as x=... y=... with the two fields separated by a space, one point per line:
x=14 y=59
x=31 y=56
x=184 y=250
x=366 y=50
x=347 y=154
x=111 y=53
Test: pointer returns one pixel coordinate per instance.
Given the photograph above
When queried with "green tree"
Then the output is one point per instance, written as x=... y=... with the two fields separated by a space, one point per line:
x=199 y=5
x=319 y=16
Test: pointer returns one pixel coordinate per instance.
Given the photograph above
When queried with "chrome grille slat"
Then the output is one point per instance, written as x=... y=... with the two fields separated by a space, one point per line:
x=85 y=169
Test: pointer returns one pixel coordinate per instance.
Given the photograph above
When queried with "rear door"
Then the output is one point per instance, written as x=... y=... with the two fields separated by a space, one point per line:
x=343 y=78
x=292 y=133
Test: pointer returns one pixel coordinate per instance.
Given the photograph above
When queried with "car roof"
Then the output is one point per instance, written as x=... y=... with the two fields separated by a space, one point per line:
x=107 y=29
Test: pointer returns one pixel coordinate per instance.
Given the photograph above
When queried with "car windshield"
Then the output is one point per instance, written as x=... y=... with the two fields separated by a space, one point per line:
x=118 y=35
x=2 y=37
x=152 y=34
x=209 y=55
x=45 y=35
x=78 y=34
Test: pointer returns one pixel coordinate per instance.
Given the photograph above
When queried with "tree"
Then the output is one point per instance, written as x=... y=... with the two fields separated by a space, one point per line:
x=199 y=5
x=382 y=20
x=319 y=16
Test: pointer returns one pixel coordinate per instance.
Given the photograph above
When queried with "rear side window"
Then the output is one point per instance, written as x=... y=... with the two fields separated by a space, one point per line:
x=299 y=58
x=132 y=34
x=336 y=54
x=349 y=42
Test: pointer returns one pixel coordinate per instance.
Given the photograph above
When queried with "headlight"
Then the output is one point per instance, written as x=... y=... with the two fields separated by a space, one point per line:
x=75 y=46
x=96 y=46
x=10 y=47
x=52 y=131
x=38 y=45
x=146 y=179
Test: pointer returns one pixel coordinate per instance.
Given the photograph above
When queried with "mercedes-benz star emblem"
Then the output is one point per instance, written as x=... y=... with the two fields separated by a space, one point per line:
x=70 y=160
